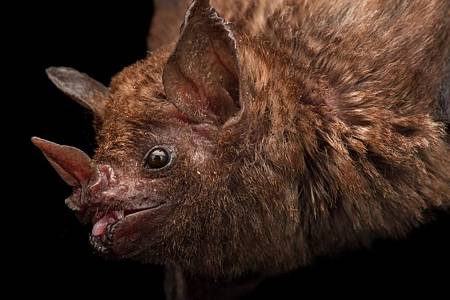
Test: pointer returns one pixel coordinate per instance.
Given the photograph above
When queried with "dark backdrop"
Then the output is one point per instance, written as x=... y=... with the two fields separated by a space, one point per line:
x=52 y=252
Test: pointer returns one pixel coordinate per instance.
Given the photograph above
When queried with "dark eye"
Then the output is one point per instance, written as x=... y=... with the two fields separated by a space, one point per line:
x=157 y=158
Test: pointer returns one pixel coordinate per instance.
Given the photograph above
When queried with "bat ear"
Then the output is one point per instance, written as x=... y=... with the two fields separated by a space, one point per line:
x=201 y=77
x=86 y=91
x=166 y=22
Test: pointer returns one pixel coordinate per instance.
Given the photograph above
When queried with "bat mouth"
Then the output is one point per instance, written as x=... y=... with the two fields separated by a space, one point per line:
x=105 y=225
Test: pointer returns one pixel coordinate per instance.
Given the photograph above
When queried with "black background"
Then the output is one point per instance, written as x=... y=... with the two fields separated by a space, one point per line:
x=50 y=251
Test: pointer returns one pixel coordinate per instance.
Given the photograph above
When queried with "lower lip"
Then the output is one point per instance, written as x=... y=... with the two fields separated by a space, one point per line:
x=106 y=223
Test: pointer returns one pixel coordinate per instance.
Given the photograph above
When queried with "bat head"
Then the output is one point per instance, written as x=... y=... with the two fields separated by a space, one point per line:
x=173 y=179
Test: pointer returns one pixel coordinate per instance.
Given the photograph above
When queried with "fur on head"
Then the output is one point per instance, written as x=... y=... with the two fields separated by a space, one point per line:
x=295 y=130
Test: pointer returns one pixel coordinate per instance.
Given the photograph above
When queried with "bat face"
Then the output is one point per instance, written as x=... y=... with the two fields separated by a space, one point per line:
x=146 y=183
x=150 y=164
x=139 y=196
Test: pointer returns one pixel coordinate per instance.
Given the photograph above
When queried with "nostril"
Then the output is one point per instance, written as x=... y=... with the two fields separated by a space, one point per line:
x=98 y=189
x=107 y=188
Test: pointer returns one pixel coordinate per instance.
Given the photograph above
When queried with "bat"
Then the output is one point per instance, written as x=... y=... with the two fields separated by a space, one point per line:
x=258 y=135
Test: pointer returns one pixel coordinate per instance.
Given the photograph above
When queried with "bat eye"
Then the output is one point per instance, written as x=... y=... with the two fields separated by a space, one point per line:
x=157 y=158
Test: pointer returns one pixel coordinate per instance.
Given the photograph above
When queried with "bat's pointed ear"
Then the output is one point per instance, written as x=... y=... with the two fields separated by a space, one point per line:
x=86 y=91
x=72 y=164
x=201 y=78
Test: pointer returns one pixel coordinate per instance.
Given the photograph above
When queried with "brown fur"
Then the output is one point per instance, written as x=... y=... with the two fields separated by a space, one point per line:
x=340 y=139
x=337 y=145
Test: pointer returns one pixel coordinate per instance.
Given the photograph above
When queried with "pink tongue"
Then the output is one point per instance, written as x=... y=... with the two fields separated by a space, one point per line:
x=100 y=226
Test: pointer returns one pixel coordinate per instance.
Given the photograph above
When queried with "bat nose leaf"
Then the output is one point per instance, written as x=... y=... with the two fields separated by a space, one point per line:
x=72 y=164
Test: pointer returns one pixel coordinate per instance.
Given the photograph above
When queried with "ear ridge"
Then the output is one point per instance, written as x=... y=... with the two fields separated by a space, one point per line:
x=201 y=76
x=80 y=87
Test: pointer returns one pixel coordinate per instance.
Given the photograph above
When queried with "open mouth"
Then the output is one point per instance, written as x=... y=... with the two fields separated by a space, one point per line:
x=105 y=223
